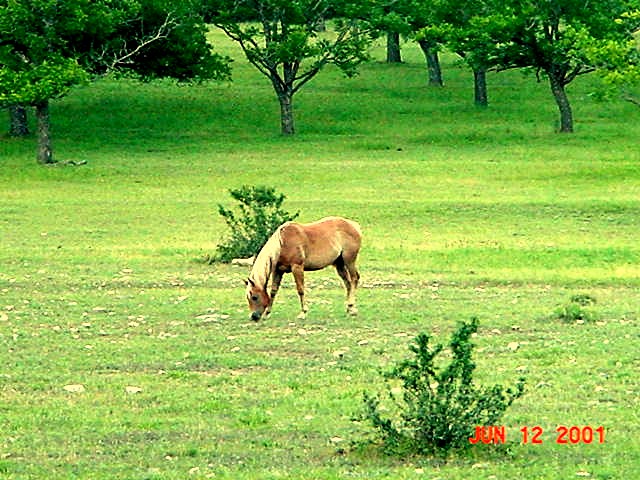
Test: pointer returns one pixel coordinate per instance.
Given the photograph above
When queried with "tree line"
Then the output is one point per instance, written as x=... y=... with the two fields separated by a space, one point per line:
x=49 y=46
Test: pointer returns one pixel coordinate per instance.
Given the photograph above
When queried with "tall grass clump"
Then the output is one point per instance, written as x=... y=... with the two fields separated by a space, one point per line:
x=439 y=406
x=259 y=213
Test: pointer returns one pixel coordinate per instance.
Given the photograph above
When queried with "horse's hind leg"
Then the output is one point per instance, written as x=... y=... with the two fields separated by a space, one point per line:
x=350 y=277
x=298 y=275
x=354 y=278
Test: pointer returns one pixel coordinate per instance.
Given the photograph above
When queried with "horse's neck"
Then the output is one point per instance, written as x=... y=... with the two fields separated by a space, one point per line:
x=266 y=260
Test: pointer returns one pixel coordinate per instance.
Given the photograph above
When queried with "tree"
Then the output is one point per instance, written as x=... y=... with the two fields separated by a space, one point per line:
x=387 y=16
x=430 y=41
x=472 y=31
x=36 y=86
x=32 y=69
x=47 y=47
x=394 y=54
x=466 y=28
x=617 y=64
x=283 y=42
x=426 y=23
x=548 y=36
x=409 y=18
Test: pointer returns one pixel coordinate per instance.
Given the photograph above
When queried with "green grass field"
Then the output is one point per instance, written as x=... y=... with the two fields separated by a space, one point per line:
x=465 y=212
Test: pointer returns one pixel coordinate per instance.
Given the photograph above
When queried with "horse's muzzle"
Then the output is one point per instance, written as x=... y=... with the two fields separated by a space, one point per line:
x=255 y=316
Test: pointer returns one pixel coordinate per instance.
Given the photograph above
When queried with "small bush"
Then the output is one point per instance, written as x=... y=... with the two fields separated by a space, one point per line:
x=259 y=214
x=577 y=309
x=583 y=299
x=439 y=408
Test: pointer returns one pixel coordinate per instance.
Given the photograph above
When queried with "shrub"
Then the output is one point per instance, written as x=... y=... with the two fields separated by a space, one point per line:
x=583 y=299
x=577 y=309
x=259 y=215
x=439 y=408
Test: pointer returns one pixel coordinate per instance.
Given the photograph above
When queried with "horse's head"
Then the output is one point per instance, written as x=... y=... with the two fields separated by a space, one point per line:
x=258 y=299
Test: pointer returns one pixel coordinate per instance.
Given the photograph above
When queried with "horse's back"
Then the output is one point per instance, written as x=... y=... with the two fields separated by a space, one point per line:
x=320 y=243
x=329 y=225
x=332 y=230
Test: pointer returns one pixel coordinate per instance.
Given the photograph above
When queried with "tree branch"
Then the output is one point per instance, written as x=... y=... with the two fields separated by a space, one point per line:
x=579 y=70
x=124 y=57
x=307 y=75
x=250 y=48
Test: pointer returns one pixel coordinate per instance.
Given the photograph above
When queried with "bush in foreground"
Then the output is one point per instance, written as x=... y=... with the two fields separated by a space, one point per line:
x=439 y=407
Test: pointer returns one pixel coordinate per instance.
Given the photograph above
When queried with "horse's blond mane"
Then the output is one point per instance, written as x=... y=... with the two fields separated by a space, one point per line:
x=266 y=259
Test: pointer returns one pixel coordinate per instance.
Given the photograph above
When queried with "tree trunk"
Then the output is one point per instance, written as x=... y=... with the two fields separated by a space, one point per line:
x=286 y=112
x=560 y=95
x=480 y=87
x=19 y=126
x=45 y=153
x=393 y=48
x=433 y=64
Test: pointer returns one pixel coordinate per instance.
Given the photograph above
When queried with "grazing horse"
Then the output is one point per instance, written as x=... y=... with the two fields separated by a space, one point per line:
x=296 y=247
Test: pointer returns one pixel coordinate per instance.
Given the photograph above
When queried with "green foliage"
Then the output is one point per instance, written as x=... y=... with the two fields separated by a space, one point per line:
x=440 y=406
x=287 y=33
x=545 y=35
x=260 y=213
x=577 y=310
x=618 y=65
x=36 y=63
x=182 y=52
x=50 y=79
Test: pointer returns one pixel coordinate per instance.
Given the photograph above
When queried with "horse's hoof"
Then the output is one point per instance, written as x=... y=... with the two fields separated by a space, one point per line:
x=353 y=311
x=302 y=316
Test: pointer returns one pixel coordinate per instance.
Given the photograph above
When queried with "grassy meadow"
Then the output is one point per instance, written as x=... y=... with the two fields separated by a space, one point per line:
x=124 y=355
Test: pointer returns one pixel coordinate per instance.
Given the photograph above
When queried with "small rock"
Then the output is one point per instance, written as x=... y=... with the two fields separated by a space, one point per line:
x=513 y=346
x=243 y=261
x=76 y=388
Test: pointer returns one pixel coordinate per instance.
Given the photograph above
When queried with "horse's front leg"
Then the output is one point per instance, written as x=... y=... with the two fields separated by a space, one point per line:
x=298 y=275
x=276 y=278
